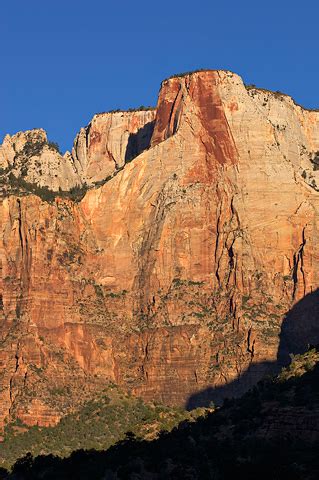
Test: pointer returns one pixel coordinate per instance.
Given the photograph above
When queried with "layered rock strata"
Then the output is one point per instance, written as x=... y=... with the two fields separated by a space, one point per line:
x=174 y=273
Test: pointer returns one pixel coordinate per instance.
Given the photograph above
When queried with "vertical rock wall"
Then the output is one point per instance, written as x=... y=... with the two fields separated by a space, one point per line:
x=180 y=273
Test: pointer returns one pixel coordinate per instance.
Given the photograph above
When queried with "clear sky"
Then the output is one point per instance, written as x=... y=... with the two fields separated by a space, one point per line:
x=63 y=61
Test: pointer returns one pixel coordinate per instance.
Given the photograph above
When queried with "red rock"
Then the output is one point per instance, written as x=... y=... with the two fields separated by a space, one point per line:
x=174 y=276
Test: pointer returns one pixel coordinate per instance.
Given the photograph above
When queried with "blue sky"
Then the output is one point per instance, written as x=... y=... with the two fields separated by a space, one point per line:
x=63 y=61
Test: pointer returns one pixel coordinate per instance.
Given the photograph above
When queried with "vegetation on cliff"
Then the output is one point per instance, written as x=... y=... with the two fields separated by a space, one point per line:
x=99 y=424
x=141 y=108
x=34 y=148
x=190 y=72
x=19 y=186
x=13 y=179
x=271 y=432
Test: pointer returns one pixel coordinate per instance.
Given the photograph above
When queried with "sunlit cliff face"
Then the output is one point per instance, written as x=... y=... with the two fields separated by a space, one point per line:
x=195 y=233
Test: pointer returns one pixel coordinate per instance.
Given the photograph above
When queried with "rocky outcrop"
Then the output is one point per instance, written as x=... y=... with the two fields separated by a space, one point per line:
x=175 y=271
x=30 y=159
x=30 y=163
x=110 y=141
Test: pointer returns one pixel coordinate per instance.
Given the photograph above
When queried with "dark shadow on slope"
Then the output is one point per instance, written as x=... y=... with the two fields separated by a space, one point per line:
x=139 y=141
x=232 y=442
x=3 y=473
x=234 y=389
x=300 y=328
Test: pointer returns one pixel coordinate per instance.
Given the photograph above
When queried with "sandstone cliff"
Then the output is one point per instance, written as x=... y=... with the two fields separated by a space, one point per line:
x=173 y=274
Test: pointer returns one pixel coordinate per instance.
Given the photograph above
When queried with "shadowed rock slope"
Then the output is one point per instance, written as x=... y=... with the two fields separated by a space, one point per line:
x=112 y=416
x=272 y=432
x=192 y=231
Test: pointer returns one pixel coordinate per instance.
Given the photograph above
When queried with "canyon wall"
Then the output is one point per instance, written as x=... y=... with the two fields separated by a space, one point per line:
x=194 y=238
